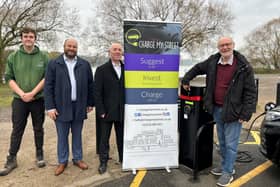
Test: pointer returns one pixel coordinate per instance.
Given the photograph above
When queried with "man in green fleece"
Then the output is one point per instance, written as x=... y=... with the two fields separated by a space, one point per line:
x=25 y=71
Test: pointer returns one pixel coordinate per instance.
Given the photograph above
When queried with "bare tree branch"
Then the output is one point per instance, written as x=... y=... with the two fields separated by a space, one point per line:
x=47 y=17
x=263 y=45
x=202 y=21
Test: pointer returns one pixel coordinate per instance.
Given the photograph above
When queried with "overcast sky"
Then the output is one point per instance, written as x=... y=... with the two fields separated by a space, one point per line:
x=249 y=14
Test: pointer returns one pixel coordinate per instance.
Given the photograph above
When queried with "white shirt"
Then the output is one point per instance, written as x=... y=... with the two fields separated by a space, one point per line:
x=118 y=69
x=229 y=62
x=70 y=63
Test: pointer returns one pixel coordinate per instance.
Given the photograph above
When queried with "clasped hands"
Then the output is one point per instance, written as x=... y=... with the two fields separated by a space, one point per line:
x=27 y=97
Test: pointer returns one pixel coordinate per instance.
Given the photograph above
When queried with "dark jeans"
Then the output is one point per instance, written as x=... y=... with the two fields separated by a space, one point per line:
x=20 y=113
x=105 y=132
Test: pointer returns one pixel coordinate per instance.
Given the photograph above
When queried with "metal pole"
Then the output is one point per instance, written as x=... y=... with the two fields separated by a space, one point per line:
x=257 y=86
x=278 y=94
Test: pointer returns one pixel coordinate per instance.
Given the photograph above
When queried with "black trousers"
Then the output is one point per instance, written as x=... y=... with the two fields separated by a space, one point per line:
x=105 y=132
x=20 y=113
x=97 y=132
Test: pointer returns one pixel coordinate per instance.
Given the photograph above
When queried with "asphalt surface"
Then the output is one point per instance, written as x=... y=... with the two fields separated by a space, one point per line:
x=182 y=176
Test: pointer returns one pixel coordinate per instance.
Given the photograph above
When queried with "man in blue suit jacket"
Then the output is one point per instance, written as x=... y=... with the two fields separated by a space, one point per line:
x=68 y=97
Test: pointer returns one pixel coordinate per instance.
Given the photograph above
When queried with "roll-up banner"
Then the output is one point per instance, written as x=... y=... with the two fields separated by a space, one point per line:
x=151 y=58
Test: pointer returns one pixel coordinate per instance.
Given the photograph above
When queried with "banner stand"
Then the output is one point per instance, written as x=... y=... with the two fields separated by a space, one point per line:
x=151 y=64
x=167 y=168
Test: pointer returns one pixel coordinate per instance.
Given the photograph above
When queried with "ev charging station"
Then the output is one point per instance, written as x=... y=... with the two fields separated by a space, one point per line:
x=195 y=131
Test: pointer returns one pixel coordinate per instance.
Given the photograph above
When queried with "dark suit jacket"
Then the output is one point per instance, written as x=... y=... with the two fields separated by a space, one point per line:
x=57 y=89
x=109 y=92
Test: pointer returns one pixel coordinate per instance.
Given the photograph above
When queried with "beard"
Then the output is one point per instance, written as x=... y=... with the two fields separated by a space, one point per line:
x=70 y=54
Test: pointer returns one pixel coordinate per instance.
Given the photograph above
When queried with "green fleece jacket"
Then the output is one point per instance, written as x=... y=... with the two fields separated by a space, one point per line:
x=26 y=69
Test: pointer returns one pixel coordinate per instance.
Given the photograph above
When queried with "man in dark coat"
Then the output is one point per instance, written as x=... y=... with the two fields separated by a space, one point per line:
x=68 y=97
x=109 y=102
x=230 y=96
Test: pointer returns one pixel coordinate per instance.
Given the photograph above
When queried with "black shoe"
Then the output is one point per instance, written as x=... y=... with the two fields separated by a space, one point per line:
x=102 y=168
x=40 y=161
x=9 y=166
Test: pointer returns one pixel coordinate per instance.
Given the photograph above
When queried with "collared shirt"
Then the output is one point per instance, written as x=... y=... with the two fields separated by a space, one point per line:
x=229 y=62
x=118 y=69
x=70 y=63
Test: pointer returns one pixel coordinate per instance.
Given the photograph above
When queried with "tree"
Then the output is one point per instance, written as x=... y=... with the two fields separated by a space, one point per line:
x=202 y=21
x=53 y=54
x=263 y=45
x=46 y=16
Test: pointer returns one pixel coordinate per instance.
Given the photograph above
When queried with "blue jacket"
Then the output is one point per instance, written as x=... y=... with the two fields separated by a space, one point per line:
x=57 y=89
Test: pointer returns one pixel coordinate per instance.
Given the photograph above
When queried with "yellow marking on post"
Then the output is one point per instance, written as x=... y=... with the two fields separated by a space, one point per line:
x=138 y=178
x=251 y=174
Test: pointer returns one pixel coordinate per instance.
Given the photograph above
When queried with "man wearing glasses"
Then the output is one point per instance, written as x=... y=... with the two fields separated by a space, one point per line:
x=230 y=96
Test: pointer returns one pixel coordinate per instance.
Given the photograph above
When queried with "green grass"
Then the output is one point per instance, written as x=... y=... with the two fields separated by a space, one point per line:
x=266 y=71
x=5 y=95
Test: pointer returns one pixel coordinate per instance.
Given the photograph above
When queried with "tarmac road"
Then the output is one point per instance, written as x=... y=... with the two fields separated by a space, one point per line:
x=257 y=173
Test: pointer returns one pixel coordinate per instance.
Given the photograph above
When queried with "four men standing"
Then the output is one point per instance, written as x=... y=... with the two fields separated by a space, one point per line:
x=68 y=87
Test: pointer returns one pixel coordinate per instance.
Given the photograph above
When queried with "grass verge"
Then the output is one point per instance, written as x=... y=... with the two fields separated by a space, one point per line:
x=5 y=95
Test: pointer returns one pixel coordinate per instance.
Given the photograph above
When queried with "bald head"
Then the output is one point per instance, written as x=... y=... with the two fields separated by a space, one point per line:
x=225 y=39
x=70 y=48
x=71 y=40
x=115 y=52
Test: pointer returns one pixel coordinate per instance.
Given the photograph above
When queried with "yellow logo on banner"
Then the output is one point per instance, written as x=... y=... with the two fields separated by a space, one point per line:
x=151 y=79
x=132 y=37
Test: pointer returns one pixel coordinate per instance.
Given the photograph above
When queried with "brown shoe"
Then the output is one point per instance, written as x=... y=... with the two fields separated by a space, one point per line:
x=60 y=169
x=81 y=164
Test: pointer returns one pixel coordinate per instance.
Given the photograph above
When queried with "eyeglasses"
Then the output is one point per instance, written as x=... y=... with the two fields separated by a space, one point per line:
x=225 y=45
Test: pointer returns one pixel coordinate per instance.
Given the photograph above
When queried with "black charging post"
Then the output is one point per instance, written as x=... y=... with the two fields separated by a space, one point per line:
x=196 y=131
